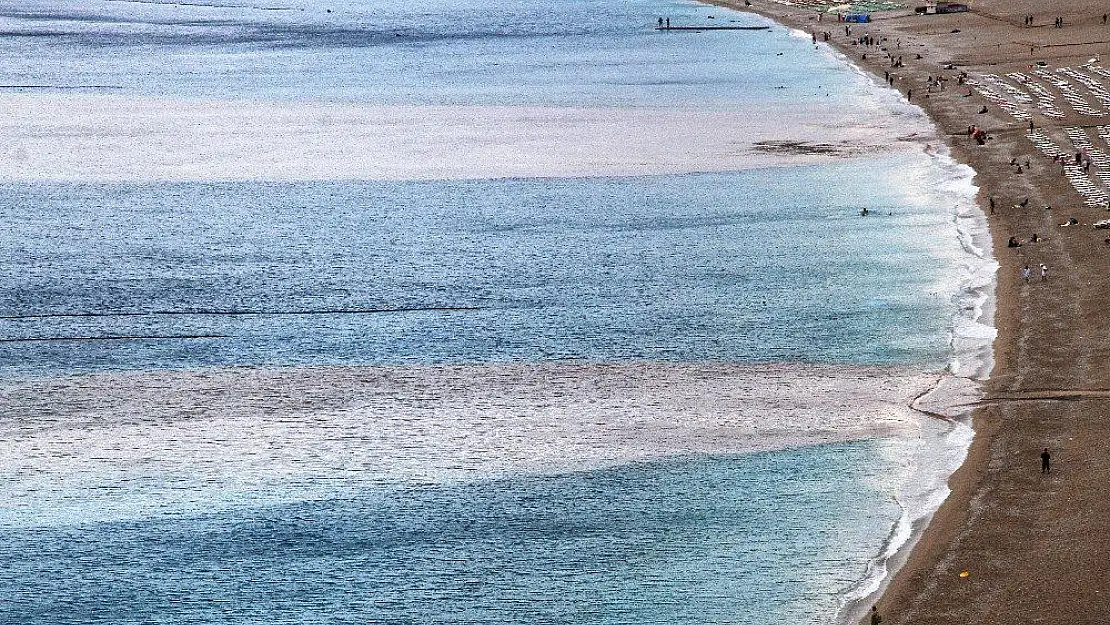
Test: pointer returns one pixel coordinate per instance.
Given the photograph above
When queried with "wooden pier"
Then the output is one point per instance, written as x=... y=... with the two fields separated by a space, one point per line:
x=712 y=28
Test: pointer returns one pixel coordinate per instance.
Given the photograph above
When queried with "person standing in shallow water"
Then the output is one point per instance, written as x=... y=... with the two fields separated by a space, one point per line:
x=875 y=618
x=1046 y=461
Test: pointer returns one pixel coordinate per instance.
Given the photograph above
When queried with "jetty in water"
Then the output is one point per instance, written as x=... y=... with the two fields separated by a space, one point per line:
x=712 y=28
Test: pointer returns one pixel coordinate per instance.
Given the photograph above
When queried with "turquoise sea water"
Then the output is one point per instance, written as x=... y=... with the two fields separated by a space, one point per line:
x=680 y=541
x=689 y=267
x=769 y=265
x=426 y=52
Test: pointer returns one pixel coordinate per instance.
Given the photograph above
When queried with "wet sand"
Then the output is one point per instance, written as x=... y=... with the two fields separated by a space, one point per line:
x=1033 y=545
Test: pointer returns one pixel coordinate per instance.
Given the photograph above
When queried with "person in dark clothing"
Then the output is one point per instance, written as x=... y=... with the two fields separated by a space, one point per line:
x=875 y=618
x=1046 y=461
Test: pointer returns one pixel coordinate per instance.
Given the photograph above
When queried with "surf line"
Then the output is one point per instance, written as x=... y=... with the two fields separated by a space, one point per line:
x=243 y=313
x=905 y=532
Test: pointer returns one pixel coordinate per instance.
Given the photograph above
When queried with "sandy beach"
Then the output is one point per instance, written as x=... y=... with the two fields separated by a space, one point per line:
x=1012 y=544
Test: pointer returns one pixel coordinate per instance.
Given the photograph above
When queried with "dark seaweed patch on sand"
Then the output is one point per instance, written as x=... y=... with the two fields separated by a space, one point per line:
x=804 y=148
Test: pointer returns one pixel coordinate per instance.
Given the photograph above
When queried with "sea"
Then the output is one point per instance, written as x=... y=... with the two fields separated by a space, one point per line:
x=468 y=311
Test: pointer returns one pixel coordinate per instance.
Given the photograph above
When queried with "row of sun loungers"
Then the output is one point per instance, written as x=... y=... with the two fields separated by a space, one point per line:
x=987 y=91
x=1023 y=93
x=1093 y=195
x=1078 y=138
x=1082 y=142
x=1098 y=69
x=1104 y=133
x=1017 y=95
x=1088 y=81
x=1045 y=100
x=1099 y=157
x=1070 y=93
x=1047 y=146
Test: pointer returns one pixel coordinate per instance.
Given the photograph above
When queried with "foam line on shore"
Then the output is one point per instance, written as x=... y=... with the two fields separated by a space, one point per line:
x=917 y=509
x=971 y=339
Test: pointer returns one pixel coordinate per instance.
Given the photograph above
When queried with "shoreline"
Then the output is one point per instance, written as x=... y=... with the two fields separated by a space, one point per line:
x=1006 y=545
x=909 y=531
x=972 y=339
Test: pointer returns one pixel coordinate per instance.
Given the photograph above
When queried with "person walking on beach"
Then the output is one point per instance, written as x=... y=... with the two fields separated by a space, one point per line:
x=1046 y=462
x=1044 y=272
x=875 y=618
x=1025 y=273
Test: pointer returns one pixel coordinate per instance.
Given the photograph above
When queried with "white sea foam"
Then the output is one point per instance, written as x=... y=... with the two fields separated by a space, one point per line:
x=105 y=138
x=122 y=445
x=922 y=488
x=921 y=491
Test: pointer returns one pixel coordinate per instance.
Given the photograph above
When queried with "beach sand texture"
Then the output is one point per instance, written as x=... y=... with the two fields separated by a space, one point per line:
x=1033 y=546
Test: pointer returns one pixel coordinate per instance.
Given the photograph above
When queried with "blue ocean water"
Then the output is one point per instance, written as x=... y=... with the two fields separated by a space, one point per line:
x=677 y=541
x=570 y=52
x=690 y=267
x=771 y=265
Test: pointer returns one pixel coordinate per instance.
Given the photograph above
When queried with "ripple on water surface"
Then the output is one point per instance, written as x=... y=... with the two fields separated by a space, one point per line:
x=744 y=539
